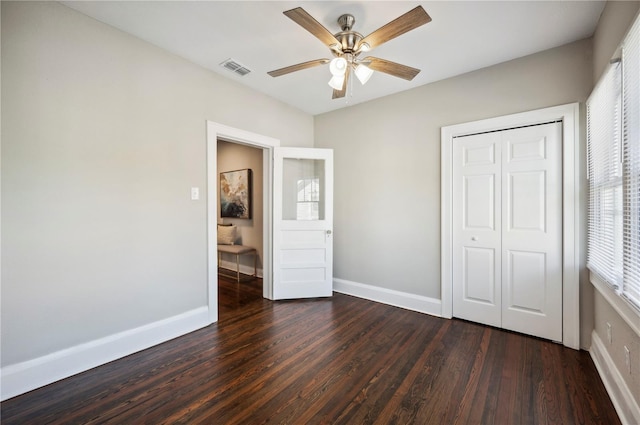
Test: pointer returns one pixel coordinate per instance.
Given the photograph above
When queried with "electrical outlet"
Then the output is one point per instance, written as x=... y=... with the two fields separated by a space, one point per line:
x=627 y=359
x=609 y=336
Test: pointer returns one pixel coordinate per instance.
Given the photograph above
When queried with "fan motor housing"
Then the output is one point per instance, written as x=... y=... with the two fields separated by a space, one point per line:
x=349 y=40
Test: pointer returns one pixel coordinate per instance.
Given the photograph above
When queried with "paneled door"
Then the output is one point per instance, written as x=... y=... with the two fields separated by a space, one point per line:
x=477 y=201
x=508 y=229
x=303 y=223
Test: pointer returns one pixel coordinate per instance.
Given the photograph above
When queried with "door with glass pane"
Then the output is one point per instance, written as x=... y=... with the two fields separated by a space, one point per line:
x=303 y=223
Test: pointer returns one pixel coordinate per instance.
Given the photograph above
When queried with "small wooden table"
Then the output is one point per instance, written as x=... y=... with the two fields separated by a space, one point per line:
x=239 y=250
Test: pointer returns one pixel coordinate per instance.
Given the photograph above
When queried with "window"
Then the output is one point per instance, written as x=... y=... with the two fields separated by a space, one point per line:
x=308 y=199
x=613 y=149
x=303 y=189
x=605 y=177
x=631 y=164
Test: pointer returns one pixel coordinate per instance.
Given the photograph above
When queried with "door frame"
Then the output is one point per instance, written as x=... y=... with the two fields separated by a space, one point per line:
x=217 y=131
x=571 y=205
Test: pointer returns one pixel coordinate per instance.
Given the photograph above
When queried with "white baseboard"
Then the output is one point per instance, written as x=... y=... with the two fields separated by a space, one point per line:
x=244 y=269
x=26 y=376
x=404 y=300
x=621 y=396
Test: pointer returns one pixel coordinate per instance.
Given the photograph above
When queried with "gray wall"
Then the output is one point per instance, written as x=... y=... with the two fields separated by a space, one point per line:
x=613 y=25
x=233 y=156
x=387 y=218
x=103 y=137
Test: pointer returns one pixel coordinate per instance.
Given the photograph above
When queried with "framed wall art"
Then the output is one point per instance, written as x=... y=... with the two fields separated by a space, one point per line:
x=235 y=194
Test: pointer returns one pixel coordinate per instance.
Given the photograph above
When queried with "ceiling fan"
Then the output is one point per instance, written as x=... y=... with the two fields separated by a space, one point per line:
x=347 y=45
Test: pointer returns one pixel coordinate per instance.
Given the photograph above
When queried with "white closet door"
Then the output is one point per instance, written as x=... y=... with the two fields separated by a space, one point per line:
x=532 y=230
x=476 y=238
x=507 y=237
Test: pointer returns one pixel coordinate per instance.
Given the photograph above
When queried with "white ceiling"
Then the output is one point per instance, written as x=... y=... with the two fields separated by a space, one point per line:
x=463 y=36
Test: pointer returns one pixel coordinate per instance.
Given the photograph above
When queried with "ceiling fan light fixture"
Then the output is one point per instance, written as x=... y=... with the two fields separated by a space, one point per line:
x=346 y=45
x=364 y=47
x=338 y=66
x=336 y=47
x=336 y=82
x=363 y=73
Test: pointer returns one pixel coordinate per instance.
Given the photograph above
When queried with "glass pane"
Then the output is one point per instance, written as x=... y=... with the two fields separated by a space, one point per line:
x=303 y=189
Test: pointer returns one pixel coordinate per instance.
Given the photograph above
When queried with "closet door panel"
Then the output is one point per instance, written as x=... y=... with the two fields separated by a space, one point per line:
x=477 y=215
x=532 y=231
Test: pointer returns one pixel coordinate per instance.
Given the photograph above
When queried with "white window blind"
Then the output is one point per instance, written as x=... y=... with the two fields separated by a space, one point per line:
x=604 y=252
x=631 y=164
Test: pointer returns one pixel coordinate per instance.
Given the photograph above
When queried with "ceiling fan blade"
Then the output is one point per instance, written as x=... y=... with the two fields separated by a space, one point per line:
x=306 y=21
x=298 y=67
x=337 y=94
x=405 y=23
x=391 y=68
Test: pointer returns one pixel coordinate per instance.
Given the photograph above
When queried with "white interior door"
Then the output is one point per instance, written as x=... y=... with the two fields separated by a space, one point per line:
x=507 y=238
x=532 y=230
x=303 y=223
x=477 y=287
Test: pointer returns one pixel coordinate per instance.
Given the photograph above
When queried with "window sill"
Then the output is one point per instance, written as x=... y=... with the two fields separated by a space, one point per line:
x=628 y=313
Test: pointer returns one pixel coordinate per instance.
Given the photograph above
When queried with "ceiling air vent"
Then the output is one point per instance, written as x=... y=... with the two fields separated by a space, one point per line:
x=234 y=66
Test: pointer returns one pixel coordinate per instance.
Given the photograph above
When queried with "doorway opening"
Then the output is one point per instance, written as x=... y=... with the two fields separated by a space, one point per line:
x=215 y=132
x=242 y=168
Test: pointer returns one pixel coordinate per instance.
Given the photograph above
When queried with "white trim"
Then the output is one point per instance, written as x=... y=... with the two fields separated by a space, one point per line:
x=29 y=375
x=571 y=223
x=446 y=223
x=621 y=395
x=569 y=114
x=404 y=300
x=628 y=313
x=235 y=135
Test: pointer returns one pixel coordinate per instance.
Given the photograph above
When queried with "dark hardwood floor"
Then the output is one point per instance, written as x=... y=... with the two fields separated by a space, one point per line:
x=342 y=360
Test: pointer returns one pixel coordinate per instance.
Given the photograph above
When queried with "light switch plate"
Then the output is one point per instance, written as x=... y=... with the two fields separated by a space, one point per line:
x=195 y=193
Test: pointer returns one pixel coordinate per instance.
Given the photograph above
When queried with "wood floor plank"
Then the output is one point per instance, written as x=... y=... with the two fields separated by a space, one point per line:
x=340 y=360
x=408 y=399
